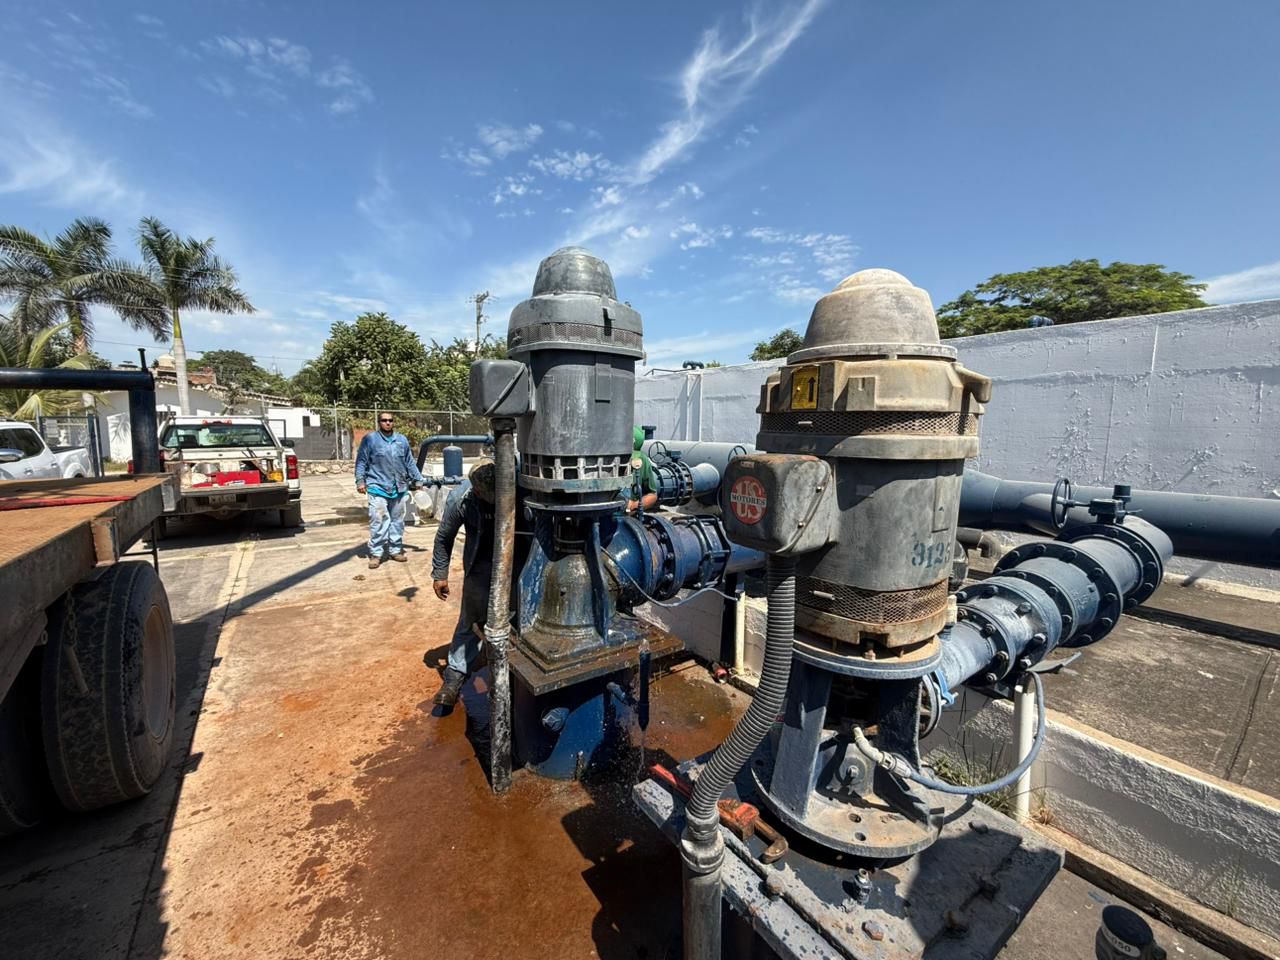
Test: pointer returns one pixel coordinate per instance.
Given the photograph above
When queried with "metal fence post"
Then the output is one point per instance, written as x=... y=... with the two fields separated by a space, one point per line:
x=337 y=437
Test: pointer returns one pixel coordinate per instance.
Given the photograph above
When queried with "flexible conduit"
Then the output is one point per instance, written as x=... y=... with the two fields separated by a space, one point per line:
x=702 y=845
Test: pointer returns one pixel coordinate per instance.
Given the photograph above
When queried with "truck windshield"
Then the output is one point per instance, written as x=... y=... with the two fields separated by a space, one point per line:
x=188 y=435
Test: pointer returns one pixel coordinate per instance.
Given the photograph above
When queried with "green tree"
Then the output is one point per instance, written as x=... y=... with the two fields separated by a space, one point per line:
x=373 y=362
x=32 y=351
x=48 y=280
x=784 y=342
x=449 y=371
x=180 y=274
x=1070 y=293
x=235 y=368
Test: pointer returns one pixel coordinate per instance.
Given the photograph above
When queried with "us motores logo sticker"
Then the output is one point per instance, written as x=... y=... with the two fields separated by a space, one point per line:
x=748 y=500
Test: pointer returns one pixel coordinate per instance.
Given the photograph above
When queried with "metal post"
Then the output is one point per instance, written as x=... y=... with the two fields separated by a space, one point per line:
x=1024 y=720
x=337 y=437
x=497 y=628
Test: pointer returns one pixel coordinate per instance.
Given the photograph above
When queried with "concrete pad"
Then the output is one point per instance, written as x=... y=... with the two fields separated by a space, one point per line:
x=1187 y=695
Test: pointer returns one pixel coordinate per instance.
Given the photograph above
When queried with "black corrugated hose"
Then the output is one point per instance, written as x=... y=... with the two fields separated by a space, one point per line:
x=702 y=847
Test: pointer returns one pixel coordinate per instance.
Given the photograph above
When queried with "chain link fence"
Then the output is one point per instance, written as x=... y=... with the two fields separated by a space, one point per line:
x=340 y=430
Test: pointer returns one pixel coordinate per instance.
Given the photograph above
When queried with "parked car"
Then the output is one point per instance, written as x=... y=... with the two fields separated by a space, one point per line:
x=229 y=465
x=25 y=456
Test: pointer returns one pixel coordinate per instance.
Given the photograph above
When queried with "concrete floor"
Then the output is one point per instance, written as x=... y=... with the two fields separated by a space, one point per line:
x=317 y=808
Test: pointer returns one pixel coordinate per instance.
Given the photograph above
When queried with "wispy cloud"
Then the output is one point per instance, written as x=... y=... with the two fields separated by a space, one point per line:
x=833 y=253
x=40 y=159
x=277 y=62
x=500 y=139
x=692 y=236
x=701 y=345
x=521 y=185
x=718 y=77
x=119 y=95
x=578 y=165
x=1256 y=283
x=351 y=89
x=218 y=84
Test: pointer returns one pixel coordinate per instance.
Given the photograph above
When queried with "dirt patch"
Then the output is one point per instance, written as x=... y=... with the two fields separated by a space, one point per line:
x=340 y=818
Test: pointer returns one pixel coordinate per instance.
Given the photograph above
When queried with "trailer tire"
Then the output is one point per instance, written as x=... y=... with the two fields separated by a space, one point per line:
x=109 y=690
x=25 y=794
x=291 y=516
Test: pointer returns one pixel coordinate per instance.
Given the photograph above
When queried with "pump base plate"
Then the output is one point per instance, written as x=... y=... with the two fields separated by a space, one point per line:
x=604 y=660
x=986 y=870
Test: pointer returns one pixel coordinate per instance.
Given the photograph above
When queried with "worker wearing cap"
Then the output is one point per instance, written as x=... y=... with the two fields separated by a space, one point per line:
x=469 y=507
x=386 y=472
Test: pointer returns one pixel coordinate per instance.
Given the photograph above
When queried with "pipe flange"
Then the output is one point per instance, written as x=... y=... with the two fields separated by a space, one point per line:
x=665 y=587
x=1007 y=567
x=995 y=624
x=1110 y=602
x=1147 y=556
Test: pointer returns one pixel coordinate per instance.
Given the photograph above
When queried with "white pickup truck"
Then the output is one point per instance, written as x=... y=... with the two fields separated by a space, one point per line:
x=25 y=456
x=231 y=464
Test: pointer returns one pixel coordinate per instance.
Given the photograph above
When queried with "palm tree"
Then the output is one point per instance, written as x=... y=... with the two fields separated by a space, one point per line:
x=180 y=274
x=30 y=350
x=49 y=280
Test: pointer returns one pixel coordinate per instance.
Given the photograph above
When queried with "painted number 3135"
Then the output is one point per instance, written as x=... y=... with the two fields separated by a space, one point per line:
x=930 y=554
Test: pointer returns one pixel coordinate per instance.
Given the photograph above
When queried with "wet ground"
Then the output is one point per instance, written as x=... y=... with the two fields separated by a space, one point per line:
x=317 y=806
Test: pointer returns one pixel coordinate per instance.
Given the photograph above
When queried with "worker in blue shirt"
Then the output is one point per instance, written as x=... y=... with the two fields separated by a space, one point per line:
x=386 y=471
x=469 y=508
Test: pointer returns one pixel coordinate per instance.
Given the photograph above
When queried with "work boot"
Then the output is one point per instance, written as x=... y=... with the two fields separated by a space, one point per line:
x=400 y=558
x=375 y=563
x=448 y=695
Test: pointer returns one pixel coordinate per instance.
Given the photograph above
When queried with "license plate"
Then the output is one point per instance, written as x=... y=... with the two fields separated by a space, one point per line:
x=221 y=498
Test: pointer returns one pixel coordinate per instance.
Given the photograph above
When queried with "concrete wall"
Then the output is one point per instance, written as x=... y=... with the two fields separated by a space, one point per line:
x=1183 y=401
x=1214 y=841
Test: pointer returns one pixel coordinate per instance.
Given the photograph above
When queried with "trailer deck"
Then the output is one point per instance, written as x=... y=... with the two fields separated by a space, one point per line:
x=53 y=533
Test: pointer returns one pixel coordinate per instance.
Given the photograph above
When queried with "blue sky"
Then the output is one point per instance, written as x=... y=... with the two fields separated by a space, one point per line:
x=732 y=162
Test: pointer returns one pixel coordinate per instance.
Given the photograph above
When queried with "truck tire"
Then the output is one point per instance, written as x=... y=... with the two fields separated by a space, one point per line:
x=108 y=690
x=25 y=794
x=291 y=516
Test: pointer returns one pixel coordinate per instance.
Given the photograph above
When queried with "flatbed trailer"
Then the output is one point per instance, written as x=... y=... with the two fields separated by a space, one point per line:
x=87 y=688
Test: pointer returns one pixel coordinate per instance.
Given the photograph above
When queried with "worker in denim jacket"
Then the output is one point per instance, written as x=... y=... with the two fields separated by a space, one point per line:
x=386 y=471
x=469 y=507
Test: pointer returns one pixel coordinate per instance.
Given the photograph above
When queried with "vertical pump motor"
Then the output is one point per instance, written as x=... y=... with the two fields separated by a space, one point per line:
x=863 y=434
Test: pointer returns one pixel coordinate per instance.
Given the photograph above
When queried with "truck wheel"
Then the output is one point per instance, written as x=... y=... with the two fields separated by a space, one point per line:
x=291 y=516
x=25 y=794
x=108 y=689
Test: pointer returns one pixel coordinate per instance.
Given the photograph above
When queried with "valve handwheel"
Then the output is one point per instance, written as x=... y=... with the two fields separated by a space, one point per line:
x=1060 y=503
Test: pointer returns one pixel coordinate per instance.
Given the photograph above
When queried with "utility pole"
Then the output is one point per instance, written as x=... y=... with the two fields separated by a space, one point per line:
x=479 y=300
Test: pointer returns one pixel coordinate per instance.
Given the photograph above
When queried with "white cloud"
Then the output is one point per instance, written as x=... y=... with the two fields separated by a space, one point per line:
x=635 y=233
x=351 y=89
x=476 y=160
x=520 y=185
x=717 y=78
x=1255 y=283
x=609 y=196
x=118 y=95
x=147 y=20
x=693 y=237
x=746 y=136
x=501 y=139
x=578 y=165
x=39 y=159
x=834 y=253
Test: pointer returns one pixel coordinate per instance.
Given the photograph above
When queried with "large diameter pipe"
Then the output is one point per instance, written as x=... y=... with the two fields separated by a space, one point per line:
x=1243 y=530
x=144 y=432
x=60 y=378
x=497 y=628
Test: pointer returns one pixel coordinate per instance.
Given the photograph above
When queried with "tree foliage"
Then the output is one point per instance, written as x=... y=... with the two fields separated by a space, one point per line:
x=179 y=274
x=377 y=362
x=32 y=351
x=234 y=368
x=63 y=278
x=784 y=342
x=1070 y=293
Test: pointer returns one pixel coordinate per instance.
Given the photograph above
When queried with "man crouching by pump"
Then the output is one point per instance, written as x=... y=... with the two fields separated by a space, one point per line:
x=469 y=507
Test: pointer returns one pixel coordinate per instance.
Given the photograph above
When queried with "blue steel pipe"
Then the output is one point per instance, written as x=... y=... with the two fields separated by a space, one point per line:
x=1069 y=592
x=656 y=557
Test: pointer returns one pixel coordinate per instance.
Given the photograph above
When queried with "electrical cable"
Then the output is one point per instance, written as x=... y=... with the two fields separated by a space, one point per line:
x=640 y=590
x=899 y=766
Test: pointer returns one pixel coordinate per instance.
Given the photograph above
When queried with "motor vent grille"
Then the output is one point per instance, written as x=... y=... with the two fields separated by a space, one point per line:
x=871 y=606
x=852 y=423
